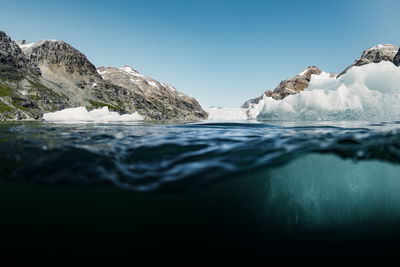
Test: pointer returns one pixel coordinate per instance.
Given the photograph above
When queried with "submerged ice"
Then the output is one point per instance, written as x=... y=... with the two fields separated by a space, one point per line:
x=324 y=190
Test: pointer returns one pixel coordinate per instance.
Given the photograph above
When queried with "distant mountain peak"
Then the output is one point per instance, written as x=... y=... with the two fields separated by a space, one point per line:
x=375 y=54
x=59 y=54
x=131 y=71
x=14 y=64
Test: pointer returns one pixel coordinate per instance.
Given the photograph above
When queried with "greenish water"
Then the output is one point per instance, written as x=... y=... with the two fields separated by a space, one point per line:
x=226 y=192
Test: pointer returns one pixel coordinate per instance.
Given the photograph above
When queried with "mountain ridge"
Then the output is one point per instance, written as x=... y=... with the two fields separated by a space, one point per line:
x=63 y=71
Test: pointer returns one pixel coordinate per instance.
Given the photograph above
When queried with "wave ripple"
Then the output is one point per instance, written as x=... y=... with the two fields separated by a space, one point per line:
x=152 y=157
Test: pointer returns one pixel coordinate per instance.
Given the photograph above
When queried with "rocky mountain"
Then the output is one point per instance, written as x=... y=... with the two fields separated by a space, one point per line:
x=396 y=59
x=22 y=95
x=165 y=101
x=52 y=75
x=13 y=64
x=288 y=87
x=375 y=54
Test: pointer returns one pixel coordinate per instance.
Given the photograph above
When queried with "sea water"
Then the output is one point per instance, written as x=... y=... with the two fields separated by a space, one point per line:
x=198 y=184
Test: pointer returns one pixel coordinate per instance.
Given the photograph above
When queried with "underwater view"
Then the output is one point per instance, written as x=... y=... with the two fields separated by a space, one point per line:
x=262 y=189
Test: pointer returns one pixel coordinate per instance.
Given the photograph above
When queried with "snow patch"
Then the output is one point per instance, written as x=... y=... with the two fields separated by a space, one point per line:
x=101 y=72
x=380 y=46
x=131 y=71
x=81 y=114
x=26 y=46
x=303 y=72
x=151 y=83
x=171 y=88
x=134 y=81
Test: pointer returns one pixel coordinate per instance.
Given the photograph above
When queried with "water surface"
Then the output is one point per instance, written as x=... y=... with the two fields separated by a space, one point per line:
x=238 y=185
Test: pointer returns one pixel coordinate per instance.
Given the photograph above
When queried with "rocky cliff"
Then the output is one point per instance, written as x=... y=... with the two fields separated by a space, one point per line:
x=22 y=95
x=288 y=87
x=396 y=59
x=13 y=64
x=163 y=100
x=53 y=75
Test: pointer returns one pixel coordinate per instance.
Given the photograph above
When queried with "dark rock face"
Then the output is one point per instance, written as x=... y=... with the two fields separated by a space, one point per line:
x=396 y=59
x=294 y=85
x=61 y=55
x=13 y=64
x=375 y=54
x=288 y=87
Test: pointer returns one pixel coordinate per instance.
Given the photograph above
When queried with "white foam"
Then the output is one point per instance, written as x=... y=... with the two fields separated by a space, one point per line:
x=227 y=114
x=81 y=114
x=369 y=92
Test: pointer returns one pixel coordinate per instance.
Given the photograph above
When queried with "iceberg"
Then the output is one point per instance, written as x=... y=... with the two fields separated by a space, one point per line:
x=370 y=92
x=226 y=114
x=81 y=114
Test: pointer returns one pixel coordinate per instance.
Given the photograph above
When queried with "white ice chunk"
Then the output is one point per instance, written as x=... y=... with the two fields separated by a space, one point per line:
x=227 y=114
x=81 y=114
x=369 y=92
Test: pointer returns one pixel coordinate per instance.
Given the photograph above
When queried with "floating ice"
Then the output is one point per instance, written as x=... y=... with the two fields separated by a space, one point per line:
x=82 y=114
x=227 y=114
x=369 y=92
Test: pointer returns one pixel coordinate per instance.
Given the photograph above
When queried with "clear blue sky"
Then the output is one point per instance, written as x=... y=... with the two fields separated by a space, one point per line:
x=221 y=52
